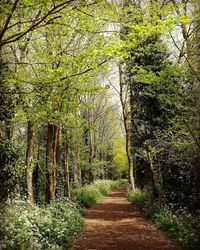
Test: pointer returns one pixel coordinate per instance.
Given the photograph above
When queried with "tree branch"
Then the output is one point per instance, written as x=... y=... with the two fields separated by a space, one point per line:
x=35 y=25
x=8 y=19
x=189 y=64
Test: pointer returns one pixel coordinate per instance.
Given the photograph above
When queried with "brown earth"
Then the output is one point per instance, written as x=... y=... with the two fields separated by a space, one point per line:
x=114 y=223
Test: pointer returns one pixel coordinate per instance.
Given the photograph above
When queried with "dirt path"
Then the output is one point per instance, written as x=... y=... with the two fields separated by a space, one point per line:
x=114 y=223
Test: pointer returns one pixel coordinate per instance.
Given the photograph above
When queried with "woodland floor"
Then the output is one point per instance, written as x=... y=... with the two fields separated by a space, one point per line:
x=114 y=223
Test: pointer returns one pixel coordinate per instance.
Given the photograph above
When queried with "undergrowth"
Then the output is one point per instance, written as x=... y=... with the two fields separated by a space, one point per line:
x=178 y=225
x=29 y=227
x=25 y=226
x=90 y=194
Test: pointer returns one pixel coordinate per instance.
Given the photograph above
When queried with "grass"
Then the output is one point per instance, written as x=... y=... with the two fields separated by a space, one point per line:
x=178 y=225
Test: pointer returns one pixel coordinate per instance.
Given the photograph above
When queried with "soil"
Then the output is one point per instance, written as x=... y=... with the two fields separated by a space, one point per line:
x=114 y=223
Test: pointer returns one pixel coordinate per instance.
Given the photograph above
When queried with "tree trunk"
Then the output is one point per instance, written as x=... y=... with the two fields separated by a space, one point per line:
x=129 y=155
x=125 y=99
x=66 y=168
x=51 y=161
x=77 y=172
x=36 y=175
x=1 y=130
x=30 y=160
x=124 y=84
x=9 y=130
x=91 y=145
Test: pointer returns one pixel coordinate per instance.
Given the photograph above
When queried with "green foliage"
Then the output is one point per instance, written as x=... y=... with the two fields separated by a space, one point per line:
x=8 y=174
x=120 y=160
x=87 y=196
x=182 y=227
x=90 y=194
x=31 y=227
x=139 y=198
x=179 y=225
x=104 y=186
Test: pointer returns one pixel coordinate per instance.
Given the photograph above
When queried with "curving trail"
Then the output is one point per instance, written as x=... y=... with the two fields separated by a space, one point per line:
x=113 y=223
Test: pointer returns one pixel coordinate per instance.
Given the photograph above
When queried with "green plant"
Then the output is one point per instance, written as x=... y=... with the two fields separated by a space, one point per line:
x=52 y=227
x=103 y=186
x=87 y=196
x=139 y=198
x=90 y=194
x=178 y=225
x=183 y=227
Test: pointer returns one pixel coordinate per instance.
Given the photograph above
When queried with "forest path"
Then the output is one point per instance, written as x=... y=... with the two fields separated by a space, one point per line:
x=114 y=223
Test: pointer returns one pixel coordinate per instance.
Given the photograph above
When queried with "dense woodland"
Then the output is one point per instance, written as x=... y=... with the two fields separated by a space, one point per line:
x=99 y=89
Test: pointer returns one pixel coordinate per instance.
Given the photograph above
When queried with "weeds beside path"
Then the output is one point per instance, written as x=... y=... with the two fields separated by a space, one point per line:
x=114 y=223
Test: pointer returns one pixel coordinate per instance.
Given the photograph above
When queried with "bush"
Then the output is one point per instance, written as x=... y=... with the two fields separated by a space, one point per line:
x=182 y=227
x=103 y=186
x=140 y=199
x=25 y=227
x=89 y=195
x=178 y=225
x=122 y=181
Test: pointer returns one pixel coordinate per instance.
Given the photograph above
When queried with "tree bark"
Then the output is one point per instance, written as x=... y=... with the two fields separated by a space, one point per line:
x=125 y=99
x=30 y=160
x=1 y=130
x=124 y=93
x=9 y=130
x=51 y=161
x=77 y=172
x=91 y=145
x=129 y=155
x=66 y=168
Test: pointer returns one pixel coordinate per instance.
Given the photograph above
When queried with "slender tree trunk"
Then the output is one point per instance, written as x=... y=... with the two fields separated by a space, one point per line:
x=125 y=103
x=77 y=172
x=125 y=99
x=1 y=130
x=91 y=146
x=51 y=161
x=36 y=175
x=30 y=160
x=129 y=155
x=66 y=168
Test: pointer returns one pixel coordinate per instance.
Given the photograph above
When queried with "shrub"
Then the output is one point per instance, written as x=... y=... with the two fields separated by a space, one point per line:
x=182 y=227
x=90 y=194
x=87 y=196
x=25 y=227
x=178 y=225
x=122 y=181
x=103 y=186
x=139 y=198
